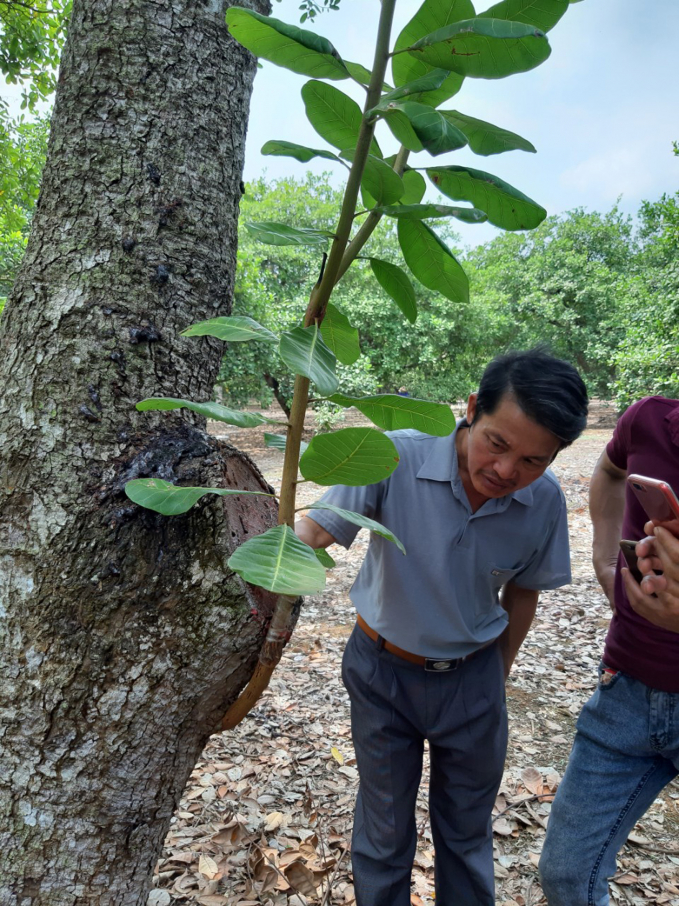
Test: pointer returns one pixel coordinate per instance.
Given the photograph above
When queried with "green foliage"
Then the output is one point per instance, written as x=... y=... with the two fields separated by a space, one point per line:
x=23 y=147
x=647 y=358
x=31 y=37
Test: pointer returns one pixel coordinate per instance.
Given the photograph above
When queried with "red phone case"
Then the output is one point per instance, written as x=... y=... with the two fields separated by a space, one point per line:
x=656 y=497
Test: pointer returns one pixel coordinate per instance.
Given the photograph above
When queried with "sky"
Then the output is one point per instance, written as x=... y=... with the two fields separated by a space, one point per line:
x=602 y=111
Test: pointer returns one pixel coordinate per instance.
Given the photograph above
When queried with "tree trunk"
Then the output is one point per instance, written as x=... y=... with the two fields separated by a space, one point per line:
x=123 y=636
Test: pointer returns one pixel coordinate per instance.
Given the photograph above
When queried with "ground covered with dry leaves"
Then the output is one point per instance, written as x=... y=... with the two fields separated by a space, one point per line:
x=266 y=818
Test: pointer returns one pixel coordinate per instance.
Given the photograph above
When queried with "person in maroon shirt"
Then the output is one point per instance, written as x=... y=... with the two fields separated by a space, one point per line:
x=626 y=747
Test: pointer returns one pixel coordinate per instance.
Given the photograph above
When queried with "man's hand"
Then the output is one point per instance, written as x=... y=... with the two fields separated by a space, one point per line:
x=658 y=551
x=520 y=604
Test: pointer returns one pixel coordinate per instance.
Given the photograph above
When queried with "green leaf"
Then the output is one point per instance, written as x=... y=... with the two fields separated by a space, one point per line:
x=362 y=75
x=396 y=284
x=543 y=14
x=431 y=15
x=334 y=115
x=484 y=48
x=169 y=500
x=299 y=152
x=431 y=81
x=484 y=138
x=351 y=456
x=402 y=129
x=324 y=558
x=286 y=45
x=234 y=329
x=340 y=336
x=279 y=562
x=431 y=260
x=507 y=207
x=393 y=412
x=433 y=211
x=278 y=442
x=271 y=233
x=215 y=411
x=359 y=519
x=415 y=187
x=304 y=352
x=434 y=131
x=379 y=180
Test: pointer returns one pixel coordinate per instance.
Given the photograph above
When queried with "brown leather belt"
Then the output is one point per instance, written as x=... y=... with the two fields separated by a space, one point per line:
x=432 y=664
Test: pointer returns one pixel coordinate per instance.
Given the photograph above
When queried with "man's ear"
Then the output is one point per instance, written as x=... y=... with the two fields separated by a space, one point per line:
x=471 y=407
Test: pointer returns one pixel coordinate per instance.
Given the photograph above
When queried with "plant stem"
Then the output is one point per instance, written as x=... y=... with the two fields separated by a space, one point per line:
x=282 y=620
x=369 y=224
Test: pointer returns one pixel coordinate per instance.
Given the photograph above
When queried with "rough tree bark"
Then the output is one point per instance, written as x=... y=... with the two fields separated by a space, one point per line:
x=123 y=636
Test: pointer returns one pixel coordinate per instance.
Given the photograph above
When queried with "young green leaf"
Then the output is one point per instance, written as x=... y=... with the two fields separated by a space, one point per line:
x=351 y=456
x=484 y=48
x=393 y=412
x=359 y=519
x=278 y=561
x=434 y=131
x=324 y=558
x=362 y=75
x=379 y=179
x=286 y=45
x=340 y=336
x=234 y=329
x=278 y=442
x=433 y=212
x=170 y=500
x=271 y=233
x=304 y=352
x=431 y=260
x=507 y=207
x=215 y=411
x=431 y=81
x=402 y=129
x=431 y=15
x=396 y=284
x=299 y=152
x=415 y=187
x=484 y=138
x=336 y=117
x=543 y=14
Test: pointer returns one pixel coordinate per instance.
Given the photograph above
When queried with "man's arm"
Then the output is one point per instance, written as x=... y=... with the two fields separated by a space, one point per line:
x=606 y=508
x=520 y=604
x=312 y=533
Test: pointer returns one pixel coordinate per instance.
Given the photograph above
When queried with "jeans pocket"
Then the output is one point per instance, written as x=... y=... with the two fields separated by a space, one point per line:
x=608 y=677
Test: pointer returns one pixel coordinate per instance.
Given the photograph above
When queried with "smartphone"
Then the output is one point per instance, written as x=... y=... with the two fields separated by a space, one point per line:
x=629 y=553
x=656 y=497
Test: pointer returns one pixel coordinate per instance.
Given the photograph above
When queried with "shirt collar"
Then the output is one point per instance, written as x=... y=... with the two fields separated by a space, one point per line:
x=441 y=465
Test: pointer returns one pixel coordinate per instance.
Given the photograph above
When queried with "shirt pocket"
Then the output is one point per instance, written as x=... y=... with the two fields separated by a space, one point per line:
x=488 y=585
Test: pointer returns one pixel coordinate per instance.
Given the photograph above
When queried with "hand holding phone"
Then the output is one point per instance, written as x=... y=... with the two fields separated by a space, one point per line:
x=628 y=549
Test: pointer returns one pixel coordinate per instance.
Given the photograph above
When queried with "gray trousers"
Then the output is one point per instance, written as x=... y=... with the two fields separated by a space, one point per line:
x=395 y=706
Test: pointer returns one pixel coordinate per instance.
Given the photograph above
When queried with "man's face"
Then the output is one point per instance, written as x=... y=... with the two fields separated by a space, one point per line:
x=505 y=450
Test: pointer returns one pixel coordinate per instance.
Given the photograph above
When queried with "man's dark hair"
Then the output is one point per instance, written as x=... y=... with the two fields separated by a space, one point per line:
x=547 y=389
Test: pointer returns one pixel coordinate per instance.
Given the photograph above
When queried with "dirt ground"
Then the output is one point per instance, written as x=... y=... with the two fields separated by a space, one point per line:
x=266 y=818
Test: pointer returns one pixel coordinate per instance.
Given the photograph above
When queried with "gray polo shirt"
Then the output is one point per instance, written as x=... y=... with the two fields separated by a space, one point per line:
x=441 y=600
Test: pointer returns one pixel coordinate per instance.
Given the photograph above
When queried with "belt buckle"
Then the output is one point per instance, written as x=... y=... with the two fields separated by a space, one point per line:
x=441 y=665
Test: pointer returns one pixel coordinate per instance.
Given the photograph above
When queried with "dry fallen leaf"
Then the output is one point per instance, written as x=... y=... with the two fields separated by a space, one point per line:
x=532 y=780
x=300 y=878
x=208 y=867
x=337 y=755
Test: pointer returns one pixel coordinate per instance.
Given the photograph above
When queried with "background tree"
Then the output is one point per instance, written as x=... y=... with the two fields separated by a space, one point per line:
x=122 y=638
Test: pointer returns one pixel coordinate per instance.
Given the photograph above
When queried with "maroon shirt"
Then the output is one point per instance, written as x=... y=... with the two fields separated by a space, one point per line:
x=645 y=442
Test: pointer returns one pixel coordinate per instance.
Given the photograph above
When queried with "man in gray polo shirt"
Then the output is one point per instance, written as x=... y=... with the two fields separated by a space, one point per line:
x=484 y=527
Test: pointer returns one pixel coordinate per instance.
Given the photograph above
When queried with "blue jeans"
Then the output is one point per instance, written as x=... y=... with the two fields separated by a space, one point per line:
x=395 y=706
x=626 y=750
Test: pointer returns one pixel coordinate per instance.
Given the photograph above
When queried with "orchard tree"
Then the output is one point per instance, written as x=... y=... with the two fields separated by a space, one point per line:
x=123 y=637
